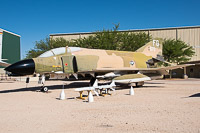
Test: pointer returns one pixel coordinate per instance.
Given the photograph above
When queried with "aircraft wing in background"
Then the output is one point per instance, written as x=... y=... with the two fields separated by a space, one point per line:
x=4 y=64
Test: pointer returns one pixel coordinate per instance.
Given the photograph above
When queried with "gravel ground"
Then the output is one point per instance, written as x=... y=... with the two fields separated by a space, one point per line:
x=160 y=106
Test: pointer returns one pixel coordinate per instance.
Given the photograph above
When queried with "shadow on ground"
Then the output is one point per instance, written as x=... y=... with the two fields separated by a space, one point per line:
x=51 y=87
x=74 y=85
x=153 y=83
x=121 y=87
x=195 y=95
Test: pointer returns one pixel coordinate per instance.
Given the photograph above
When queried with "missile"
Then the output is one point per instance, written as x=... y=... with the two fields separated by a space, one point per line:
x=21 y=68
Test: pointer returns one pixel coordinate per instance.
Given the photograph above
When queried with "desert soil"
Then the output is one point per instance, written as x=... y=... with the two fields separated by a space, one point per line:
x=160 y=106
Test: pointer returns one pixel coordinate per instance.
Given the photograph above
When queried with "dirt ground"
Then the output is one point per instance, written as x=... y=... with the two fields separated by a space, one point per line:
x=160 y=106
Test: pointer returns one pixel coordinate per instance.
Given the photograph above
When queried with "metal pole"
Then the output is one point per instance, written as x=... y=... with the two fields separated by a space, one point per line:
x=170 y=72
x=185 y=73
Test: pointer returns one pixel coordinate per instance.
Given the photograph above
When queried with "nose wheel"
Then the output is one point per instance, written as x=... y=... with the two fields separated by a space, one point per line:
x=44 y=89
x=42 y=81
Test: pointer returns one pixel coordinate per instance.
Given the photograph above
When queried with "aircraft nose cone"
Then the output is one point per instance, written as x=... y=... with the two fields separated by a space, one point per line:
x=24 y=67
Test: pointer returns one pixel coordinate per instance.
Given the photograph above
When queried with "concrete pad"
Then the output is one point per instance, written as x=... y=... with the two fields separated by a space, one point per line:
x=160 y=106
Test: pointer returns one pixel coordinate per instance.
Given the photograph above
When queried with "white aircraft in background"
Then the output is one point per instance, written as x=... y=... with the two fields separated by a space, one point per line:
x=4 y=64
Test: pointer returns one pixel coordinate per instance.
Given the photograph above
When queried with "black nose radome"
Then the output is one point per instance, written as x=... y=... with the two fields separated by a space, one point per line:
x=24 y=67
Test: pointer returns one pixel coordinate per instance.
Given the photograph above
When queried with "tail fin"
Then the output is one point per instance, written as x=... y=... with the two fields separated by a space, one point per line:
x=152 y=48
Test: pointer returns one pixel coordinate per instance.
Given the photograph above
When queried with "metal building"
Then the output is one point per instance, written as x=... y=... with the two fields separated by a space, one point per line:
x=9 y=46
x=190 y=35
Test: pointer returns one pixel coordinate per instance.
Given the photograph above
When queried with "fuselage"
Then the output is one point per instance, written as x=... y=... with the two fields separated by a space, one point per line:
x=70 y=60
x=85 y=60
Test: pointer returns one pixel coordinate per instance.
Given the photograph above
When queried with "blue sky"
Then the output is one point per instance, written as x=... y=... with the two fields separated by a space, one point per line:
x=36 y=19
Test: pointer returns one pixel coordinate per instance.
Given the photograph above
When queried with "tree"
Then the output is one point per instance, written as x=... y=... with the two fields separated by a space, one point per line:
x=177 y=51
x=110 y=39
x=114 y=40
x=105 y=39
x=133 y=41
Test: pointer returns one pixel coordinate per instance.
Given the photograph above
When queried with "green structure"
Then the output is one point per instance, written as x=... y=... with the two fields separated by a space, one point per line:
x=9 y=46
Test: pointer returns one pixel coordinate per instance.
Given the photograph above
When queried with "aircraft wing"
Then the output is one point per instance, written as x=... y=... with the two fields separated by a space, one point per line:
x=175 y=67
x=142 y=69
x=118 y=72
x=160 y=70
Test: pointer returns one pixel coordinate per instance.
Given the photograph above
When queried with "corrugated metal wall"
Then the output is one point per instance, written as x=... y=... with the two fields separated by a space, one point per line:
x=190 y=35
x=167 y=34
x=11 y=47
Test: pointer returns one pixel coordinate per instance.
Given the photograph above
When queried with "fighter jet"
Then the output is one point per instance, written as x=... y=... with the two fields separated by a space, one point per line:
x=121 y=66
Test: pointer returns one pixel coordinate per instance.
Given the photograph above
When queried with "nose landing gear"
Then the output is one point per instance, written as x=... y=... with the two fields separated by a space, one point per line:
x=42 y=81
x=44 y=89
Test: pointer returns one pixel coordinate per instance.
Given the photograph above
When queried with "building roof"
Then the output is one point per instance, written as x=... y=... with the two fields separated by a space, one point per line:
x=192 y=62
x=133 y=30
x=10 y=32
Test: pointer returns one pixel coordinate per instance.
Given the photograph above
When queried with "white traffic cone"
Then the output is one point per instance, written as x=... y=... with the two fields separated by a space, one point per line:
x=90 y=97
x=131 y=92
x=62 y=95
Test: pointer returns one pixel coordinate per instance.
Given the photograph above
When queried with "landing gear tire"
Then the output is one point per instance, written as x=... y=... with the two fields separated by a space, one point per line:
x=44 y=89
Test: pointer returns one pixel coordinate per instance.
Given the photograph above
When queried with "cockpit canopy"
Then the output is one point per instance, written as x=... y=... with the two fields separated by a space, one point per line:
x=59 y=51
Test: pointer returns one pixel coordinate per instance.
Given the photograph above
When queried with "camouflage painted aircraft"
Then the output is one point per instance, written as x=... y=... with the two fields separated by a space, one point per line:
x=121 y=66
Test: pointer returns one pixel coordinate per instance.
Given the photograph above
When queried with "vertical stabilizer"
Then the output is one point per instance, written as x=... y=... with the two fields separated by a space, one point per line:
x=152 y=48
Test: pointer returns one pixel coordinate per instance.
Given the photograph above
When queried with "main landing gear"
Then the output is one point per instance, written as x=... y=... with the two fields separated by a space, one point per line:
x=92 y=80
x=139 y=84
x=44 y=89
